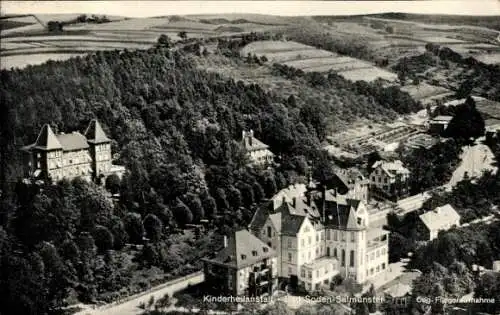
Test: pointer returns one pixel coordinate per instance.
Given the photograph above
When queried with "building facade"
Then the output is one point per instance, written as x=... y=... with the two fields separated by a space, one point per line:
x=57 y=156
x=390 y=177
x=257 y=151
x=318 y=236
x=244 y=267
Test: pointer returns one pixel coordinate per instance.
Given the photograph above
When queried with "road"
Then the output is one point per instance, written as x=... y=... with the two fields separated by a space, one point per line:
x=131 y=307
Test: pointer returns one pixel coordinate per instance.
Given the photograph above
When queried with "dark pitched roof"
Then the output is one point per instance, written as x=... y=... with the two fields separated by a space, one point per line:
x=72 y=141
x=95 y=134
x=260 y=216
x=250 y=143
x=47 y=140
x=342 y=215
x=349 y=177
x=243 y=250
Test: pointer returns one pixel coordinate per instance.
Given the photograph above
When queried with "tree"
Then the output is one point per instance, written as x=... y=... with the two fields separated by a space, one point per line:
x=103 y=238
x=164 y=42
x=182 y=35
x=209 y=206
x=55 y=26
x=113 y=183
x=153 y=227
x=467 y=122
x=182 y=213
x=134 y=227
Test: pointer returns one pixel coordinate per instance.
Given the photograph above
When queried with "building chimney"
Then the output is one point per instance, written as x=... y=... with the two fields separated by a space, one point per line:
x=283 y=200
x=294 y=202
x=437 y=210
x=225 y=241
x=250 y=138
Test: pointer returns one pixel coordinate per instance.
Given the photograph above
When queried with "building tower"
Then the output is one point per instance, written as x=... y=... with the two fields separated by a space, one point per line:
x=100 y=149
x=45 y=156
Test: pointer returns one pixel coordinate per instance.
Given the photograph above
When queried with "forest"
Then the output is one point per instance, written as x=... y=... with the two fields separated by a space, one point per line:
x=177 y=130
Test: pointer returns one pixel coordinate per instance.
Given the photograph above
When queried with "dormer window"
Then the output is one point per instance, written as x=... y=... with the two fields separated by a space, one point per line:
x=254 y=253
x=243 y=257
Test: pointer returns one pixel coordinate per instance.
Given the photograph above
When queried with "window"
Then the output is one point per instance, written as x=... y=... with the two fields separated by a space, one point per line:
x=371 y=271
x=335 y=236
x=378 y=268
x=353 y=237
x=309 y=255
x=328 y=234
x=343 y=258
x=310 y=241
x=317 y=237
x=302 y=273
x=342 y=235
x=289 y=270
x=322 y=235
x=309 y=275
x=317 y=273
x=383 y=266
x=326 y=270
x=317 y=252
x=302 y=242
x=351 y=259
x=289 y=243
x=335 y=252
x=372 y=256
x=269 y=232
x=254 y=253
x=385 y=180
x=328 y=251
x=378 y=254
x=289 y=256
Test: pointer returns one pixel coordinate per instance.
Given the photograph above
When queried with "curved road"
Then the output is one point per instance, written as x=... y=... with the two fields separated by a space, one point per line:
x=131 y=307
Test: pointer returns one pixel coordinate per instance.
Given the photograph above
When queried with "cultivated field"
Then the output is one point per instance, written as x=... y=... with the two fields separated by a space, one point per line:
x=491 y=59
x=27 y=36
x=310 y=59
x=35 y=59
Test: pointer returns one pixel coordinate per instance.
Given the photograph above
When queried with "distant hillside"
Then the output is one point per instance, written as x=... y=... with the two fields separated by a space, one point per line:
x=492 y=22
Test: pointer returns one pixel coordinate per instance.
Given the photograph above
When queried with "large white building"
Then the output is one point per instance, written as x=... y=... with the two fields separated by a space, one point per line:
x=319 y=235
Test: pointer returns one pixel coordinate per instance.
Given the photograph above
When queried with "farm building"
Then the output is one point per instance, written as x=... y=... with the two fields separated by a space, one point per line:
x=440 y=219
x=439 y=124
